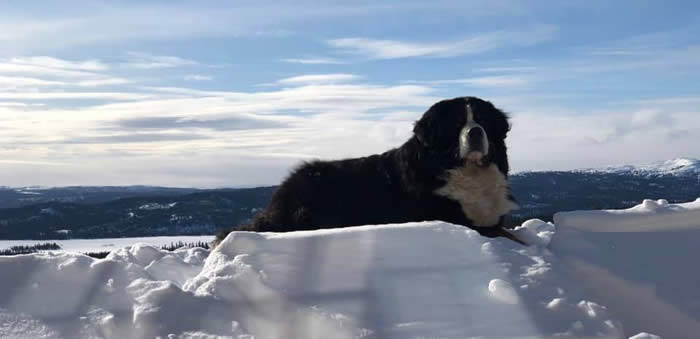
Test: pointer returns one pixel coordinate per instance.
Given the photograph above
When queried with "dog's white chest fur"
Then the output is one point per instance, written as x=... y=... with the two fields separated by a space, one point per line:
x=482 y=193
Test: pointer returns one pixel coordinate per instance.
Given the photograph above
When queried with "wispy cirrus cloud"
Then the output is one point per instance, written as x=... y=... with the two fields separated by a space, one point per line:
x=214 y=129
x=51 y=62
x=39 y=72
x=198 y=77
x=20 y=82
x=313 y=61
x=126 y=138
x=395 y=49
x=141 y=60
x=103 y=82
x=496 y=81
x=46 y=69
x=337 y=81
x=227 y=123
x=318 y=79
x=13 y=81
x=19 y=104
x=45 y=95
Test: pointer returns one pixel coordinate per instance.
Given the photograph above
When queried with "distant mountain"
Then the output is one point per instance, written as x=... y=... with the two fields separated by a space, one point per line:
x=24 y=196
x=542 y=194
x=98 y=212
x=677 y=167
x=202 y=212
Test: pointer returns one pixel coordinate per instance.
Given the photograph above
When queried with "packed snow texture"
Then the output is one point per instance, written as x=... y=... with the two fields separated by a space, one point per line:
x=641 y=263
x=649 y=216
x=415 y=280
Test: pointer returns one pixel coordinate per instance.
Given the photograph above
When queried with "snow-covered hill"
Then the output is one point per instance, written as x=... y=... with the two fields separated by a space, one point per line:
x=541 y=194
x=678 y=166
x=416 y=280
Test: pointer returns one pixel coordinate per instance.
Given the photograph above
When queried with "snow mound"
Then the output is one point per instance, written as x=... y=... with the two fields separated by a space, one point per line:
x=649 y=216
x=638 y=262
x=429 y=280
x=645 y=335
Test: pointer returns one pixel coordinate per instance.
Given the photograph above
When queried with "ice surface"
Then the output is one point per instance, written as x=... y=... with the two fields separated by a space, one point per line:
x=412 y=280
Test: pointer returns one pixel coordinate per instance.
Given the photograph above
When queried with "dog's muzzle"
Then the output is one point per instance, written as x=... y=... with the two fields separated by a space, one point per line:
x=475 y=139
x=473 y=143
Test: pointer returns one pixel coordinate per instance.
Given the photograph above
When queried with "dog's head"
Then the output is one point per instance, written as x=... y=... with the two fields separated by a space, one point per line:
x=465 y=129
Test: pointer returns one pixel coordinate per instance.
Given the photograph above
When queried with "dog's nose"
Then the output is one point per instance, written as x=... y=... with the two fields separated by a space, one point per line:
x=475 y=136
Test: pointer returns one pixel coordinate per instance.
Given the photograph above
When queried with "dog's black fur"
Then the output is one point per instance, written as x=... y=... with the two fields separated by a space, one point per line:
x=393 y=187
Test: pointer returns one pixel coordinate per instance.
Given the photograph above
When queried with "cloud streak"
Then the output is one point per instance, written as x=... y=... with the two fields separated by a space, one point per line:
x=218 y=124
x=497 y=81
x=146 y=61
x=51 y=62
x=395 y=49
x=313 y=61
x=318 y=79
x=73 y=95
x=198 y=77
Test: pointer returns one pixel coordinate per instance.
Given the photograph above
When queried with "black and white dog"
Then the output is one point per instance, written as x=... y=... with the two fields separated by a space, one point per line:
x=454 y=168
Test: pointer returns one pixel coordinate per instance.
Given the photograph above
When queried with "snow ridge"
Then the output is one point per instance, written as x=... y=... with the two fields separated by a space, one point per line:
x=678 y=166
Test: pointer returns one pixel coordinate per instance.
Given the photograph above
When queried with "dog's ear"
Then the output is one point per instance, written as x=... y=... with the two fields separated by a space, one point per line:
x=422 y=128
x=504 y=124
x=426 y=129
x=419 y=132
x=499 y=119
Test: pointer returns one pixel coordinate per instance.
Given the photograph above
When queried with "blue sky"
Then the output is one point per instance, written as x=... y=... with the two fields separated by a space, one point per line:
x=213 y=94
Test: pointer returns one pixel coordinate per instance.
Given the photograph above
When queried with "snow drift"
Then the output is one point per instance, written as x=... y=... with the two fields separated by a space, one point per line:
x=416 y=280
x=649 y=216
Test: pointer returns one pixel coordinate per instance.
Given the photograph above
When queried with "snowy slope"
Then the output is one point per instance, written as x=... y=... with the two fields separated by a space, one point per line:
x=678 y=166
x=416 y=280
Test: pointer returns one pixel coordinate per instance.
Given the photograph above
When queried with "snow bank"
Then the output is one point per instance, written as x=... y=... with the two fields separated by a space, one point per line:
x=639 y=262
x=66 y=295
x=650 y=216
x=415 y=280
x=395 y=281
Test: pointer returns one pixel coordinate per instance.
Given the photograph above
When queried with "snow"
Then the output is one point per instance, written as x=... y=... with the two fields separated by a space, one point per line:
x=679 y=166
x=414 y=280
x=156 y=206
x=649 y=216
x=640 y=263
x=107 y=244
x=503 y=291
x=645 y=335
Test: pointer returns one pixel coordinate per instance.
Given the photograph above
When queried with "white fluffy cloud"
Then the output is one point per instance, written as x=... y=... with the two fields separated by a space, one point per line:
x=633 y=134
x=182 y=136
x=178 y=130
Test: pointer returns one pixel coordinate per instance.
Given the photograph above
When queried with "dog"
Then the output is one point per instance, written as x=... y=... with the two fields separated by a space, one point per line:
x=454 y=168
